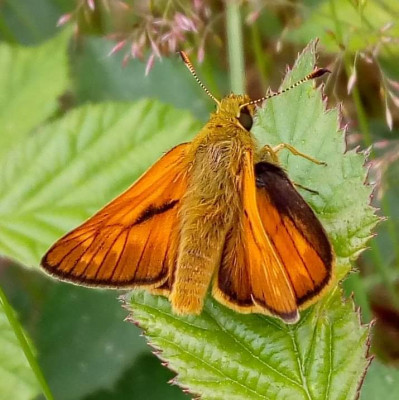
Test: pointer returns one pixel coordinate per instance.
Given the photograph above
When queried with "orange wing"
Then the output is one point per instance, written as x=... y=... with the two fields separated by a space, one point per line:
x=133 y=240
x=267 y=254
x=298 y=236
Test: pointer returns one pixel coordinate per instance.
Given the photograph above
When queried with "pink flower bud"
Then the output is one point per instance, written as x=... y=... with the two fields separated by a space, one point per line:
x=123 y=5
x=63 y=19
x=394 y=84
x=201 y=54
x=155 y=48
x=117 y=47
x=185 y=23
x=136 y=50
x=150 y=64
x=91 y=4
x=252 y=17
x=395 y=99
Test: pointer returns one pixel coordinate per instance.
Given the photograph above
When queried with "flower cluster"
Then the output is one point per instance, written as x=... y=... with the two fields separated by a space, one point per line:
x=155 y=28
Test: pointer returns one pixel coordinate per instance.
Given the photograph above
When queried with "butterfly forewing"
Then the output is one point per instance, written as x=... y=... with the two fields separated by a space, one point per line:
x=130 y=241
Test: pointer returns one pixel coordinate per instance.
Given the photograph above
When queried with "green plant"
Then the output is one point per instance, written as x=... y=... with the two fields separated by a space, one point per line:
x=58 y=165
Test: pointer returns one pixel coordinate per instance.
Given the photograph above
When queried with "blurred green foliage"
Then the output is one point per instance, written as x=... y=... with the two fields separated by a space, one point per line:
x=84 y=348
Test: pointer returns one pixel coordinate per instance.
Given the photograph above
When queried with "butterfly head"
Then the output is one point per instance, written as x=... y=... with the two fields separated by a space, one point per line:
x=236 y=108
x=239 y=109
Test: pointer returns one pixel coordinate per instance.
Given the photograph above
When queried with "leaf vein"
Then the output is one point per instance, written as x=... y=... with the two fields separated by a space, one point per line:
x=251 y=353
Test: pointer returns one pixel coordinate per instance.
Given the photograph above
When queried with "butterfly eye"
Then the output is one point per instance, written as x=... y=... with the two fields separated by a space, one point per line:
x=245 y=119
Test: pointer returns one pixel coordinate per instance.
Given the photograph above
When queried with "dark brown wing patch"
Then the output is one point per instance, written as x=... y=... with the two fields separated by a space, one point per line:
x=297 y=234
x=155 y=210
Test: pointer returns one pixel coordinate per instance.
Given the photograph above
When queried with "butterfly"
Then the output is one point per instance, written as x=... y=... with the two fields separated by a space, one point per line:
x=217 y=212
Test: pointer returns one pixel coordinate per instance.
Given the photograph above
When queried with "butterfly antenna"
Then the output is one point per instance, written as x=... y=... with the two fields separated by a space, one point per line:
x=315 y=74
x=190 y=67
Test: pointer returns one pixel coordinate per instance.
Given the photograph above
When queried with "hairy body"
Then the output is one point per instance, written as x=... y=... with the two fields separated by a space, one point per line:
x=211 y=203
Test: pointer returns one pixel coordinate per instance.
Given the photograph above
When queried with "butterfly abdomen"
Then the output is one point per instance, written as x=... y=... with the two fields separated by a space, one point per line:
x=207 y=211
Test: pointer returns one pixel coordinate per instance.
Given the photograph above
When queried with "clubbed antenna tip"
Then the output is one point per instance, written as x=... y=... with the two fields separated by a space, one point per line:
x=184 y=57
x=317 y=73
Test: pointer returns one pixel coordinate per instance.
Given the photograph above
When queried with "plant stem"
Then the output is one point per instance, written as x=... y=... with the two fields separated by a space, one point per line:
x=259 y=54
x=25 y=346
x=235 y=47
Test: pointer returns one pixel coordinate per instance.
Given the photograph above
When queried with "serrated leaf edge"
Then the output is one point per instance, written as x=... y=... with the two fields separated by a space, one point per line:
x=342 y=130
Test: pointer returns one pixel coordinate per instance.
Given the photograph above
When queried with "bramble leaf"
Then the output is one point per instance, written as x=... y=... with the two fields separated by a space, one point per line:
x=31 y=78
x=382 y=382
x=77 y=164
x=226 y=355
x=222 y=354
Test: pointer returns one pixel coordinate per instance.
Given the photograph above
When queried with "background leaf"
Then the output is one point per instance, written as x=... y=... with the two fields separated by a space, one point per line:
x=382 y=382
x=17 y=380
x=79 y=349
x=223 y=354
x=98 y=78
x=84 y=346
x=144 y=379
x=360 y=24
x=30 y=82
x=77 y=164
x=29 y=22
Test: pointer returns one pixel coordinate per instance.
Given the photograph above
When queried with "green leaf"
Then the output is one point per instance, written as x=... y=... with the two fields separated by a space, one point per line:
x=226 y=355
x=85 y=345
x=110 y=80
x=223 y=354
x=31 y=78
x=382 y=382
x=29 y=22
x=73 y=166
x=359 y=25
x=299 y=118
x=17 y=380
x=145 y=379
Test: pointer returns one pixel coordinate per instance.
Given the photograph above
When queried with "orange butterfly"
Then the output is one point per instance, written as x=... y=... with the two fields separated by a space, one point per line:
x=216 y=210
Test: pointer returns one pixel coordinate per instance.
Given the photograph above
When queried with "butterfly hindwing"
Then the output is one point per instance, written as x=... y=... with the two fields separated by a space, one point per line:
x=279 y=258
x=251 y=276
x=133 y=240
x=297 y=234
